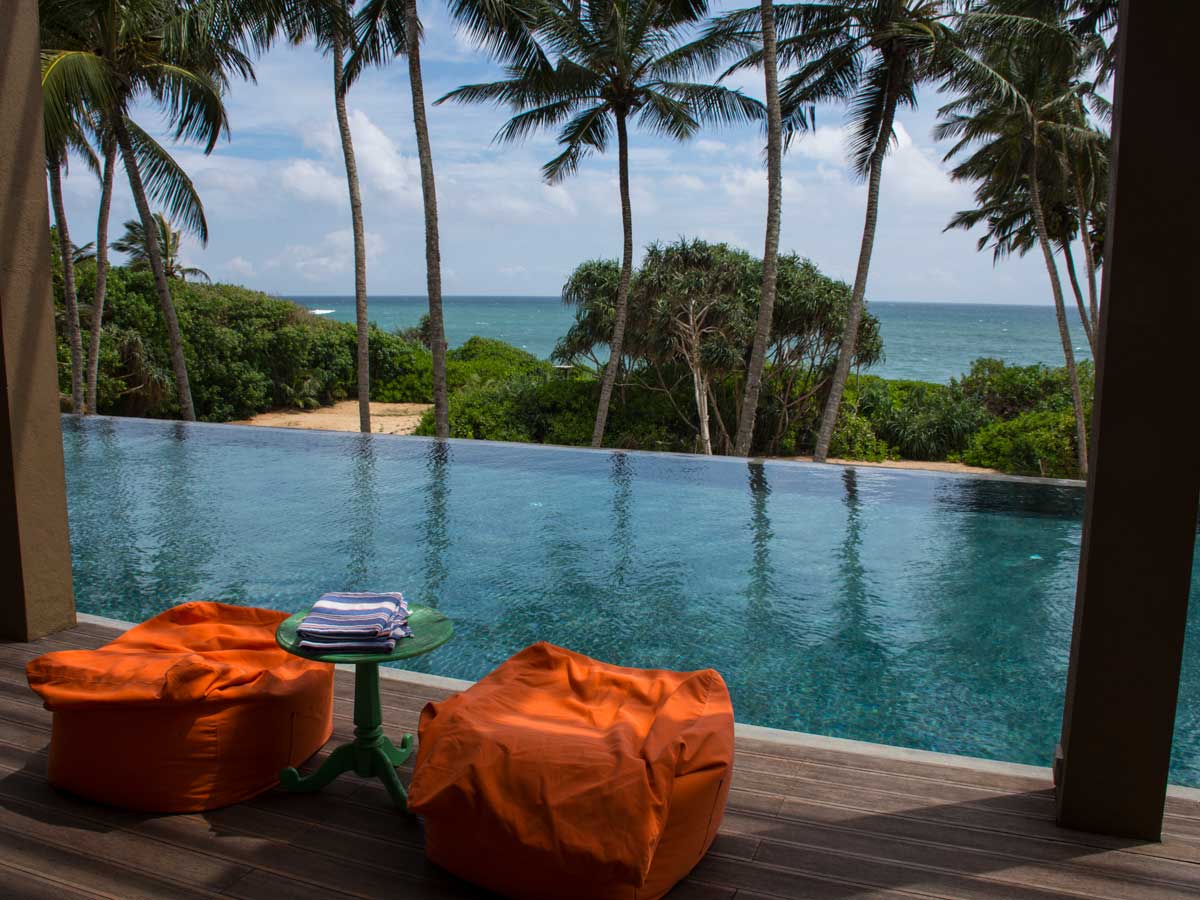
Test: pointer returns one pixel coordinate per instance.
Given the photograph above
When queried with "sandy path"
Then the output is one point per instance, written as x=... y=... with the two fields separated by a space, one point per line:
x=904 y=464
x=403 y=418
x=386 y=418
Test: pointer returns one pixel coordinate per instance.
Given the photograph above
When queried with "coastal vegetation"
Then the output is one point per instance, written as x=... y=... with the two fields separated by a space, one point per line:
x=703 y=347
x=594 y=68
x=248 y=353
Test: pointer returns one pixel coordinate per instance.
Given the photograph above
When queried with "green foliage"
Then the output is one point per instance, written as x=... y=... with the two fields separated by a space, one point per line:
x=1034 y=443
x=559 y=411
x=854 y=438
x=1007 y=391
x=402 y=370
x=483 y=360
x=921 y=420
x=246 y=352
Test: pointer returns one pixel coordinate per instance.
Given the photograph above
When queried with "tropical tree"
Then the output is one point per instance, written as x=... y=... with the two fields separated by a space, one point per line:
x=64 y=135
x=99 y=295
x=591 y=68
x=133 y=243
x=1011 y=149
x=695 y=297
x=871 y=55
x=766 y=309
x=692 y=314
x=330 y=25
x=383 y=29
x=105 y=56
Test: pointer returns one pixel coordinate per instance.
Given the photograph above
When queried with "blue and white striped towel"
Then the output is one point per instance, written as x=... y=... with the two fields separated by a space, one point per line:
x=355 y=622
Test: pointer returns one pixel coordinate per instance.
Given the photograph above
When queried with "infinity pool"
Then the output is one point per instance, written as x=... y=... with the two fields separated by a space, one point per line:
x=916 y=609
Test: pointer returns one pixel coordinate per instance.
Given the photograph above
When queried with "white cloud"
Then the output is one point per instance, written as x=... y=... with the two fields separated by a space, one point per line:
x=685 y=182
x=333 y=256
x=313 y=181
x=711 y=147
x=381 y=165
x=824 y=144
x=510 y=271
x=239 y=265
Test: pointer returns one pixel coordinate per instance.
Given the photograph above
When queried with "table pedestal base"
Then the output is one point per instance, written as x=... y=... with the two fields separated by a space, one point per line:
x=371 y=754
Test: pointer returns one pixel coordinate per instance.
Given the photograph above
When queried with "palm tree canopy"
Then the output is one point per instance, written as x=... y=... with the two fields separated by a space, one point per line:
x=133 y=244
x=995 y=142
x=861 y=53
x=100 y=57
x=581 y=66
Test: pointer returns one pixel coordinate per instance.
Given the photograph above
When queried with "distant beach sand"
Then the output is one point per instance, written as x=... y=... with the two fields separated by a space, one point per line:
x=903 y=464
x=403 y=418
x=386 y=418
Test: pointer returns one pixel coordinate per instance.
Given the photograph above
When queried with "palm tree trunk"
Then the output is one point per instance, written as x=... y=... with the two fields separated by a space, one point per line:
x=70 y=300
x=360 y=246
x=433 y=254
x=766 y=303
x=106 y=190
x=1089 y=258
x=854 y=315
x=622 y=311
x=1069 y=258
x=1060 y=310
x=183 y=387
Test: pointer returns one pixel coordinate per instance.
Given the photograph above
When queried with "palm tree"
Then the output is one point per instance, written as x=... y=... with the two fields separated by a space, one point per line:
x=105 y=55
x=766 y=306
x=133 y=244
x=386 y=28
x=592 y=67
x=330 y=25
x=871 y=55
x=63 y=135
x=101 y=290
x=433 y=254
x=1014 y=156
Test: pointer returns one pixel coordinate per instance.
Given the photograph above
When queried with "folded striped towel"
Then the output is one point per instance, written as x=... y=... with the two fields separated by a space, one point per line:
x=355 y=622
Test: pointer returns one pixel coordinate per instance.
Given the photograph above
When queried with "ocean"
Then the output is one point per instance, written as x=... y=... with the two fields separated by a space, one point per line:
x=923 y=341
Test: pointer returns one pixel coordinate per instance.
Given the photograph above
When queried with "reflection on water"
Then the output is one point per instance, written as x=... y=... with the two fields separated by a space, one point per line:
x=435 y=526
x=899 y=607
x=360 y=519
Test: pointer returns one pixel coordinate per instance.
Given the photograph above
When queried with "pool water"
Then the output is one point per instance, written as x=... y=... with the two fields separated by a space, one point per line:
x=916 y=609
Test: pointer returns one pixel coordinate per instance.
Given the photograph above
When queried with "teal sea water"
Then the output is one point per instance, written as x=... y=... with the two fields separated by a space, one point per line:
x=925 y=341
x=916 y=609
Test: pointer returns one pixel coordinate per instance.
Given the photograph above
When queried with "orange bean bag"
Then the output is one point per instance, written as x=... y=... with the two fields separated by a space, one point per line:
x=193 y=709
x=560 y=776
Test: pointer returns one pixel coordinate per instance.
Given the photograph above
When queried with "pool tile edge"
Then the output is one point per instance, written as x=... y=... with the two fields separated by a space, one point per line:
x=756 y=732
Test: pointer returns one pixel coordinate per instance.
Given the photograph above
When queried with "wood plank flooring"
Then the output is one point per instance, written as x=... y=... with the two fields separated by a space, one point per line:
x=802 y=822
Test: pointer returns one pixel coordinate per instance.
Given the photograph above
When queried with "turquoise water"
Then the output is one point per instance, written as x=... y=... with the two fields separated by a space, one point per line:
x=916 y=609
x=925 y=341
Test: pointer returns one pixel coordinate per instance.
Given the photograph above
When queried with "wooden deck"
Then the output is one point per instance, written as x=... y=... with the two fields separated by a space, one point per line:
x=804 y=821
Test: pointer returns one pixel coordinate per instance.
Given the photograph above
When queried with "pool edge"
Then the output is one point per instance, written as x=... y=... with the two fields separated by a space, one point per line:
x=759 y=732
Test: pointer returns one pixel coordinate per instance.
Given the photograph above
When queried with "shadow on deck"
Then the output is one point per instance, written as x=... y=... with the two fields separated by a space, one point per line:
x=802 y=822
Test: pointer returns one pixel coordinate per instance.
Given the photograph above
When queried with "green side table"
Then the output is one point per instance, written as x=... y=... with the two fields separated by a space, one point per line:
x=370 y=754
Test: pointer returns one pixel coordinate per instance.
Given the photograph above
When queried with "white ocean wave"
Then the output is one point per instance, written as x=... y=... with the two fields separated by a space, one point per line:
x=321 y=312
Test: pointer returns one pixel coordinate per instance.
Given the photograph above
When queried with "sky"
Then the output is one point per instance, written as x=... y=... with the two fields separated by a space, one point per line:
x=279 y=221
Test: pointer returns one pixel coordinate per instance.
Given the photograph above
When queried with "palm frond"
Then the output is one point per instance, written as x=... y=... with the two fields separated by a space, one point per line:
x=167 y=183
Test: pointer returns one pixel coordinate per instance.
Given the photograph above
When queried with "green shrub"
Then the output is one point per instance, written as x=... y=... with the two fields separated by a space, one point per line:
x=401 y=369
x=1034 y=443
x=854 y=438
x=560 y=411
x=246 y=352
x=1007 y=391
x=481 y=360
x=921 y=420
